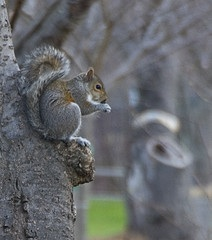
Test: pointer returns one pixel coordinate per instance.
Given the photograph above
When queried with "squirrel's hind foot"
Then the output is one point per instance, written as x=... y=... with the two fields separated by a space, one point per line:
x=81 y=141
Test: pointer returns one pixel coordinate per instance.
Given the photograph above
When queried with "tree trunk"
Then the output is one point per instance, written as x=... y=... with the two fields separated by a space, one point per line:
x=37 y=176
x=160 y=172
x=158 y=190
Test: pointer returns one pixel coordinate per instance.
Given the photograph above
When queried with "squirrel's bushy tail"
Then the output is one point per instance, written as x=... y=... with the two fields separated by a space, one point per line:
x=43 y=62
x=41 y=67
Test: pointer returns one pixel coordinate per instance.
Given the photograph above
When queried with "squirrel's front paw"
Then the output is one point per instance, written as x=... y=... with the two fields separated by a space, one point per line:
x=106 y=108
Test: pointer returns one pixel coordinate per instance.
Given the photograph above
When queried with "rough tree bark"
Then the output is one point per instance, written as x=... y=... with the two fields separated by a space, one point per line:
x=36 y=176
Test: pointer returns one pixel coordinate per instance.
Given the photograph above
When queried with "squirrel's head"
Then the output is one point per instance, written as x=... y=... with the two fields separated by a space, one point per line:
x=96 y=86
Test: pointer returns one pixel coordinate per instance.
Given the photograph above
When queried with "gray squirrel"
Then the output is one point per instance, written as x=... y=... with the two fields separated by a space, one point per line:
x=54 y=101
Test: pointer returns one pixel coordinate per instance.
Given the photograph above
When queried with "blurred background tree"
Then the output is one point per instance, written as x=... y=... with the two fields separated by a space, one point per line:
x=152 y=55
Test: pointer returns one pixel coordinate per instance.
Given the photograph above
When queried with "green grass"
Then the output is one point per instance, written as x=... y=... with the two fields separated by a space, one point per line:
x=106 y=218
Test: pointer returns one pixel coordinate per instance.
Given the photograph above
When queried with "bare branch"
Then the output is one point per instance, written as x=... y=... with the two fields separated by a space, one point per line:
x=170 y=29
x=54 y=25
x=157 y=116
x=106 y=39
x=16 y=13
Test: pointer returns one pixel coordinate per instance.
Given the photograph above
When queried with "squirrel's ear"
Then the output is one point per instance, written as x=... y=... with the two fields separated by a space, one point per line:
x=90 y=73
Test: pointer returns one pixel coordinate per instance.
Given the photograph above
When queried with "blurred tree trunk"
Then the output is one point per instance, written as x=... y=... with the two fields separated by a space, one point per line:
x=160 y=199
x=171 y=78
x=37 y=176
x=160 y=176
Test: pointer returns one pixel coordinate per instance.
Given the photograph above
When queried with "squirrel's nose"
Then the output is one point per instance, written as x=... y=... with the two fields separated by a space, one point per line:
x=104 y=101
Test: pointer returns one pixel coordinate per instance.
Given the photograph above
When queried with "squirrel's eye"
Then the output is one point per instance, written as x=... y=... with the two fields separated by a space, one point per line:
x=98 y=87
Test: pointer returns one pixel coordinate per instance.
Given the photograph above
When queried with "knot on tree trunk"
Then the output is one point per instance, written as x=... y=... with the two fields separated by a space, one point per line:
x=167 y=151
x=79 y=162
